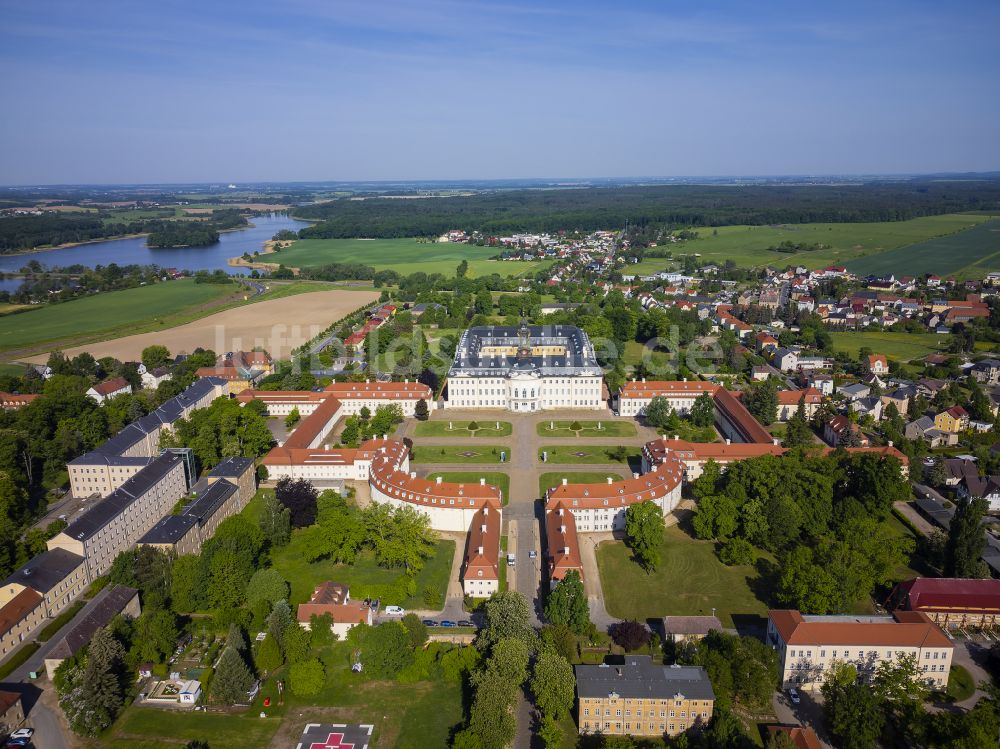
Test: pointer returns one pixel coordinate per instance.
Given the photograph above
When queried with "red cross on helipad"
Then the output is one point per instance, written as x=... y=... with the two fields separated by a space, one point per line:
x=333 y=741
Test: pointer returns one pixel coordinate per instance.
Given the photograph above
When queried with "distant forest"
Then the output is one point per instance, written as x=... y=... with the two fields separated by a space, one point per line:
x=671 y=205
x=20 y=233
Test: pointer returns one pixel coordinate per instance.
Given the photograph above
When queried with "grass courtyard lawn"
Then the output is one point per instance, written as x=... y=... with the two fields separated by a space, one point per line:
x=548 y=480
x=152 y=728
x=657 y=362
x=305 y=576
x=960 y=684
x=105 y=311
x=458 y=453
x=405 y=256
x=847 y=242
x=590 y=453
x=689 y=581
x=899 y=346
x=500 y=480
x=484 y=428
x=972 y=252
x=588 y=429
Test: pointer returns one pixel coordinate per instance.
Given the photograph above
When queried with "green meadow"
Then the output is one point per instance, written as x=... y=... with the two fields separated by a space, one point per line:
x=405 y=256
x=970 y=253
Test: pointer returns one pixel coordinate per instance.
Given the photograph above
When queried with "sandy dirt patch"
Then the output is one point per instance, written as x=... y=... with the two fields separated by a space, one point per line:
x=278 y=325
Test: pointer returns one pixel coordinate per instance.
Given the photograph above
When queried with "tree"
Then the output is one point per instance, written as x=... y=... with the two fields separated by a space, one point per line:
x=462 y=269
x=644 y=527
x=293 y=418
x=553 y=684
x=507 y=616
x=567 y=604
x=658 y=412
x=266 y=585
x=275 y=521
x=386 y=650
x=966 y=539
x=491 y=717
x=297 y=641
x=156 y=634
x=416 y=629
x=630 y=634
x=187 y=584
x=853 y=714
x=93 y=694
x=306 y=678
x=420 y=410
x=278 y=621
x=761 y=400
x=155 y=356
x=740 y=668
x=703 y=411
x=560 y=638
x=737 y=551
x=797 y=433
x=299 y=496
x=550 y=733
x=232 y=681
x=268 y=655
x=780 y=740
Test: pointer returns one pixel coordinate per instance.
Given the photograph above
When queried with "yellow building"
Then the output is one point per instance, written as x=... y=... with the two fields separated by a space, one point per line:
x=953 y=421
x=642 y=698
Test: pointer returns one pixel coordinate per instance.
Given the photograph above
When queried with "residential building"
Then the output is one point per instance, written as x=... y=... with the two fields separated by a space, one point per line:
x=823 y=383
x=953 y=420
x=481 y=570
x=785 y=359
x=987 y=371
x=526 y=368
x=923 y=428
x=642 y=698
x=11 y=711
x=108 y=389
x=57 y=575
x=15 y=401
x=877 y=364
x=788 y=402
x=842 y=431
x=855 y=391
x=808 y=645
x=19 y=617
x=334 y=599
x=118 y=521
x=106 y=605
x=153 y=378
x=803 y=737
x=951 y=602
x=635 y=396
x=237 y=380
x=682 y=628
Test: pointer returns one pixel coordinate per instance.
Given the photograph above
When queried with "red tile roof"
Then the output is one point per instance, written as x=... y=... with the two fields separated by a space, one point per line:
x=657 y=483
x=111 y=386
x=562 y=542
x=675 y=388
x=803 y=738
x=792 y=397
x=482 y=555
x=18 y=608
x=951 y=595
x=907 y=631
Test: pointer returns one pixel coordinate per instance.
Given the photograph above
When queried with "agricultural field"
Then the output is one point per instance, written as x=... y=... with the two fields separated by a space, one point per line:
x=898 y=346
x=848 y=243
x=405 y=256
x=967 y=254
x=484 y=428
x=548 y=480
x=499 y=480
x=106 y=311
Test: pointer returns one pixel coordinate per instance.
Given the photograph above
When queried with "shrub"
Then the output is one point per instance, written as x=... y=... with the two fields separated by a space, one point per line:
x=737 y=551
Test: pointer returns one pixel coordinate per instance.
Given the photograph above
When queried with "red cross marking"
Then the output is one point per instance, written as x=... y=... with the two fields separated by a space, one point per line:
x=333 y=741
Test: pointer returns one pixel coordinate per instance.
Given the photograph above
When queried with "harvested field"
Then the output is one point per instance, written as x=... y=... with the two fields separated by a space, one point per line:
x=279 y=325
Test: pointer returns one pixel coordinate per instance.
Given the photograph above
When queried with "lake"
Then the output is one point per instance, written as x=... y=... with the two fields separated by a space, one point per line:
x=135 y=251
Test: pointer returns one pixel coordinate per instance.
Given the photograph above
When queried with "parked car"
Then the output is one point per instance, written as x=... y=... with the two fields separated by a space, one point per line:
x=793 y=695
x=22 y=733
x=447 y=623
x=466 y=623
x=394 y=611
x=532 y=554
x=429 y=623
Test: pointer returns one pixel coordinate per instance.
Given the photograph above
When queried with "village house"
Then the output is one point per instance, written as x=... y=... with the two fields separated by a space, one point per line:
x=334 y=599
x=953 y=420
x=877 y=364
x=789 y=400
x=108 y=389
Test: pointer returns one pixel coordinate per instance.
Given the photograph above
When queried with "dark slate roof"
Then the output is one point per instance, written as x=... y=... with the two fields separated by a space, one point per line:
x=45 y=571
x=100 y=458
x=119 y=500
x=169 y=530
x=640 y=678
x=231 y=467
x=579 y=357
x=105 y=606
x=209 y=500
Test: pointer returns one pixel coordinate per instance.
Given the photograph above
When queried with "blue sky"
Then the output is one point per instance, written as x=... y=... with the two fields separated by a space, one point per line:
x=109 y=91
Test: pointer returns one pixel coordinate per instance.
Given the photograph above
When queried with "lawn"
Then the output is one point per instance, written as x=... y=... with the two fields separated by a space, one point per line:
x=689 y=581
x=458 y=454
x=847 y=242
x=898 y=346
x=548 y=480
x=152 y=728
x=596 y=454
x=105 y=311
x=587 y=429
x=967 y=253
x=305 y=576
x=405 y=256
x=960 y=684
x=500 y=480
x=461 y=429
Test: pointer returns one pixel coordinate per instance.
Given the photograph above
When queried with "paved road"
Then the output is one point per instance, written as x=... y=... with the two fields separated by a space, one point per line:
x=809 y=712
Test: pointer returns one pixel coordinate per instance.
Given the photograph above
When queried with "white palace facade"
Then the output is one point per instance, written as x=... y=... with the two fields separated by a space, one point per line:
x=524 y=369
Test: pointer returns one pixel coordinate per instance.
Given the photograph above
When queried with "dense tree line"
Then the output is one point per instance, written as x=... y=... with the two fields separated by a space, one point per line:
x=678 y=205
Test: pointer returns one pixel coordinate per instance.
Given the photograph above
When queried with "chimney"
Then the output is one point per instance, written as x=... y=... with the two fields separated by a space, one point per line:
x=438 y=480
x=480 y=551
x=677 y=437
x=565 y=481
x=482 y=482
x=482 y=529
x=890 y=443
x=385 y=436
x=685 y=379
x=413 y=474
x=776 y=442
x=610 y=480
x=728 y=441
x=562 y=528
x=643 y=379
